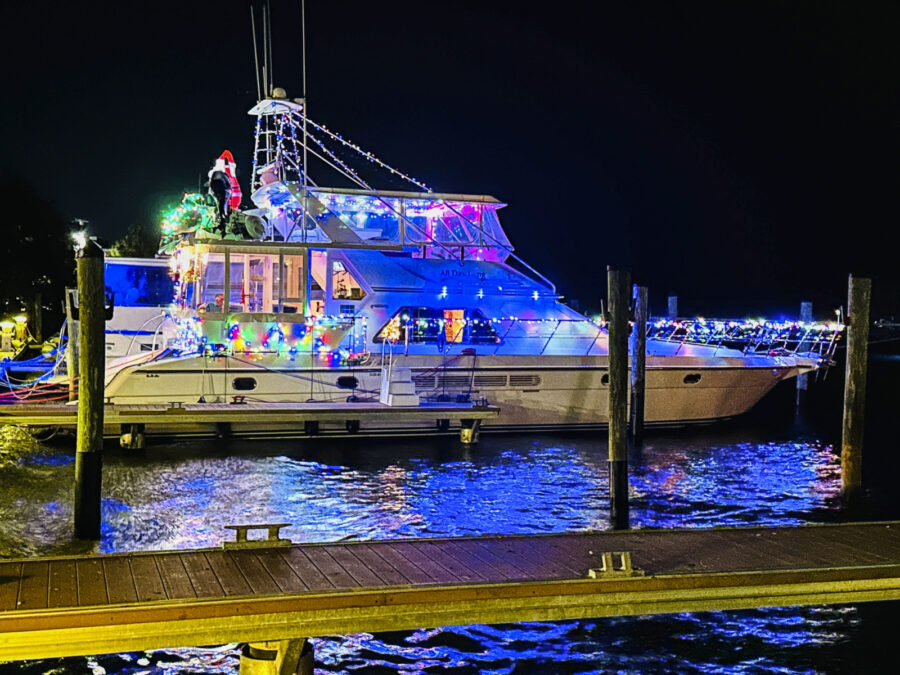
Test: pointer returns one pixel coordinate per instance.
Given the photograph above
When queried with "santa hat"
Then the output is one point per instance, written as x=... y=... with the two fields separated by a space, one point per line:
x=225 y=163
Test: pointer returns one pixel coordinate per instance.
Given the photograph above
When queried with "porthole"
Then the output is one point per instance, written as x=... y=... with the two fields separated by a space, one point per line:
x=692 y=378
x=347 y=382
x=604 y=380
x=244 y=383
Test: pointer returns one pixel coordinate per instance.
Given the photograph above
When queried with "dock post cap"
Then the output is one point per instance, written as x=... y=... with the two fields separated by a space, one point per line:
x=91 y=249
x=273 y=536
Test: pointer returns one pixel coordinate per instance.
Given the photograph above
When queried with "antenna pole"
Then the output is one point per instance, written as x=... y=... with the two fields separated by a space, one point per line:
x=271 y=60
x=265 y=70
x=303 y=47
x=255 y=54
x=305 y=138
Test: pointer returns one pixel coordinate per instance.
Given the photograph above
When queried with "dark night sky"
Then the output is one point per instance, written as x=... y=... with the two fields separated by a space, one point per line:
x=743 y=155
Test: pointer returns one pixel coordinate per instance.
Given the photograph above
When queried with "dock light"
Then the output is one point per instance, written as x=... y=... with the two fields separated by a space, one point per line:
x=79 y=239
x=21 y=327
x=6 y=336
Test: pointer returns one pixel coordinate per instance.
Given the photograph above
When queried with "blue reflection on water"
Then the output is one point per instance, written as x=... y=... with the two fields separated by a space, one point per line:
x=182 y=497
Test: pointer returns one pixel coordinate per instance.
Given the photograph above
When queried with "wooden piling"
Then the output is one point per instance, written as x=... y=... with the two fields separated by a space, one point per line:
x=806 y=312
x=618 y=284
x=37 y=318
x=276 y=657
x=858 y=297
x=638 y=349
x=672 y=307
x=91 y=367
x=71 y=345
x=806 y=316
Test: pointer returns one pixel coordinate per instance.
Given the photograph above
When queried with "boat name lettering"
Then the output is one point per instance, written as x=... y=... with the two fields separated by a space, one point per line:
x=463 y=273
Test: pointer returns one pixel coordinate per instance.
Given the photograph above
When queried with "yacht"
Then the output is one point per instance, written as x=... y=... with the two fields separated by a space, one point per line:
x=315 y=293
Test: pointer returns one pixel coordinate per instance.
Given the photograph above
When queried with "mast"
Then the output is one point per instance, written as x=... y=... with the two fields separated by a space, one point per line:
x=305 y=114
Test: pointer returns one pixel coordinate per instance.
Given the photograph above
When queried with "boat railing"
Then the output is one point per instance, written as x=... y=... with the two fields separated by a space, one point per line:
x=535 y=274
x=771 y=338
x=508 y=335
x=584 y=337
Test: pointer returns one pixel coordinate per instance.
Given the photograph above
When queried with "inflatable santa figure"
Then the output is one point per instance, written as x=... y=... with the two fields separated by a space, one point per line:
x=223 y=182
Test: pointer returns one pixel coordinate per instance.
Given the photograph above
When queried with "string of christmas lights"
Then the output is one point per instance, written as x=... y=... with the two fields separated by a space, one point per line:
x=337 y=160
x=367 y=155
x=254 y=169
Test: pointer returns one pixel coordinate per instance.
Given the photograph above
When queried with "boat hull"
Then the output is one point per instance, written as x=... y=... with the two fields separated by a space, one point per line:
x=532 y=393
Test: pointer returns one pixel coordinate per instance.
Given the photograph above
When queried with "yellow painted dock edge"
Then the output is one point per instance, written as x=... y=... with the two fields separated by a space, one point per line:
x=99 y=630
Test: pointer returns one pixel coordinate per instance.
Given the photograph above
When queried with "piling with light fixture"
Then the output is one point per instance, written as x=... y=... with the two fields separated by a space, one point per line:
x=91 y=369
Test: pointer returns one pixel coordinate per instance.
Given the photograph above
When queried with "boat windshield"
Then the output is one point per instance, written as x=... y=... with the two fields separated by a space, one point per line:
x=138 y=283
x=430 y=325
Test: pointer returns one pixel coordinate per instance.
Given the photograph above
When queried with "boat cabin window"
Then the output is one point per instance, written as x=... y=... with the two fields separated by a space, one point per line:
x=423 y=325
x=212 y=285
x=136 y=285
x=292 y=303
x=259 y=293
x=318 y=265
x=344 y=285
x=211 y=294
x=254 y=284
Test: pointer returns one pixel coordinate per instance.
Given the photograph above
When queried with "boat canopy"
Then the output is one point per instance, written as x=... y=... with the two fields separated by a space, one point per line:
x=449 y=226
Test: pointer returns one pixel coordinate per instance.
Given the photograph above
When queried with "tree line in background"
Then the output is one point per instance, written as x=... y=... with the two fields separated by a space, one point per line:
x=37 y=253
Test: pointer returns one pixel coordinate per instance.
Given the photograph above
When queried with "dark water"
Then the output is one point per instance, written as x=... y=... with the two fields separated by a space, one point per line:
x=771 y=467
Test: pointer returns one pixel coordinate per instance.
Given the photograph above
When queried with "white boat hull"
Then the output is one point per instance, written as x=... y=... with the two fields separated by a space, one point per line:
x=545 y=392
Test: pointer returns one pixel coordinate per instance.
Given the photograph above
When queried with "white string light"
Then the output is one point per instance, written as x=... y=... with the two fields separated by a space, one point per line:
x=367 y=155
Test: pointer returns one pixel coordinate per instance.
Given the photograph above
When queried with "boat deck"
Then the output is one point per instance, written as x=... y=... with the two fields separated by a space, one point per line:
x=256 y=417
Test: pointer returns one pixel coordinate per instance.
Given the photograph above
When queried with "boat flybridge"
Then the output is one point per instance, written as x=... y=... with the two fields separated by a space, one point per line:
x=314 y=292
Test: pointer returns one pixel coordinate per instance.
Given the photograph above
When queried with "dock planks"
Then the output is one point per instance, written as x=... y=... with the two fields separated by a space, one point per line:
x=99 y=604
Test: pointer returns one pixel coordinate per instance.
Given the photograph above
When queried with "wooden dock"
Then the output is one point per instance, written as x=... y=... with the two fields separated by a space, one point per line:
x=258 y=415
x=84 y=605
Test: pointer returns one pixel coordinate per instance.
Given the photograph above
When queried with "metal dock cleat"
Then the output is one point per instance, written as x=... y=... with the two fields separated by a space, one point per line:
x=607 y=570
x=241 y=541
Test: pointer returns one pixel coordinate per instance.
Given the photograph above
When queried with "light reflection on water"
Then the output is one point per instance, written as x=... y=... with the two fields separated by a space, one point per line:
x=182 y=496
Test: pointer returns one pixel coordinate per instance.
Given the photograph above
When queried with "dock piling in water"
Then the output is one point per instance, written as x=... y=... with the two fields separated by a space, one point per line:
x=638 y=363
x=91 y=367
x=859 y=295
x=618 y=284
x=71 y=345
x=806 y=316
x=276 y=657
x=37 y=318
